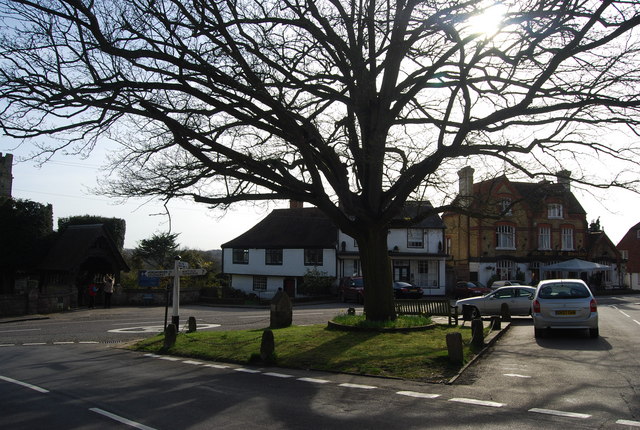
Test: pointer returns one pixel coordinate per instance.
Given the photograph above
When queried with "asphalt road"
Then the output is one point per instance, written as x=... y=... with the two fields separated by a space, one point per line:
x=564 y=381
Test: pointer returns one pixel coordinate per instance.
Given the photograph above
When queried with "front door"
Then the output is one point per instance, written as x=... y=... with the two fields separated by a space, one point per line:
x=289 y=285
x=401 y=271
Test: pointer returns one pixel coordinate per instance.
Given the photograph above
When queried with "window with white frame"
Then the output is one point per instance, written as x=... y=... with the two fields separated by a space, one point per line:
x=505 y=237
x=415 y=238
x=240 y=256
x=259 y=283
x=567 y=239
x=624 y=254
x=313 y=257
x=273 y=257
x=506 y=206
x=555 y=211
x=544 y=238
x=506 y=269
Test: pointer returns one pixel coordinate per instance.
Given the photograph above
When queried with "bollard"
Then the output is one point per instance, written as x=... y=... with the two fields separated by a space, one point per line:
x=267 y=347
x=505 y=313
x=170 y=335
x=477 y=333
x=192 y=325
x=495 y=323
x=281 y=310
x=454 y=347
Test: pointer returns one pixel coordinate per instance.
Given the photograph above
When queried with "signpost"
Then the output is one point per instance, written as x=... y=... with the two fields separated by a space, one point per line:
x=181 y=268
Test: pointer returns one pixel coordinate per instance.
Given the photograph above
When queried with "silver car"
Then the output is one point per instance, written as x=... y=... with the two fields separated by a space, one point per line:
x=516 y=298
x=566 y=304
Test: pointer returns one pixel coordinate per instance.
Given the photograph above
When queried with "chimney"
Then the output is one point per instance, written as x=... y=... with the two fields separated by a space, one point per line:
x=465 y=185
x=296 y=204
x=564 y=179
x=6 y=176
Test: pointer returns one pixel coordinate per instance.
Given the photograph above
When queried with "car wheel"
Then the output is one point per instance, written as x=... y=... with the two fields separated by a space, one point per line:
x=538 y=333
x=594 y=333
x=475 y=313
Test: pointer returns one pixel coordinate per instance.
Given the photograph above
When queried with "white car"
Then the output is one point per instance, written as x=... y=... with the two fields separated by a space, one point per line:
x=517 y=298
x=565 y=304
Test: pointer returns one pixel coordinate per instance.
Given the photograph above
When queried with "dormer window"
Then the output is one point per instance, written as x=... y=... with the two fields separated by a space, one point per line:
x=554 y=210
x=415 y=238
x=505 y=207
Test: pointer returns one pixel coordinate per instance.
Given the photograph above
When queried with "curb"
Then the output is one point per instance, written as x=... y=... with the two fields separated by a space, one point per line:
x=491 y=340
x=19 y=319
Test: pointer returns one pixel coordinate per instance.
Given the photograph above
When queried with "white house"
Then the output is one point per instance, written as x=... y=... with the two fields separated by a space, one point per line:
x=279 y=250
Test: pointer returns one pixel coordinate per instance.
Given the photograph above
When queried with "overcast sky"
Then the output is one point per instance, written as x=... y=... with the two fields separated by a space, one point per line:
x=65 y=183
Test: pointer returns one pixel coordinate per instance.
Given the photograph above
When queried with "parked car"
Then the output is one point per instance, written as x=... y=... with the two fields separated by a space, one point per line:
x=504 y=283
x=469 y=289
x=565 y=304
x=405 y=290
x=517 y=298
x=351 y=289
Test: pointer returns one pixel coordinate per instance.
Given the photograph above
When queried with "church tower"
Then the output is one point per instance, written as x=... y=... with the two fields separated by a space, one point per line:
x=6 y=178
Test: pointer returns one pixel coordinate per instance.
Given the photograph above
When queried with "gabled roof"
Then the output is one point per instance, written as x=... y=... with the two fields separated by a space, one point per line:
x=78 y=242
x=421 y=211
x=289 y=228
x=533 y=193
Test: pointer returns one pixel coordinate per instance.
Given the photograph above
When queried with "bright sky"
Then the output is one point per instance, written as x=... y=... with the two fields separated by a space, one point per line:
x=65 y=183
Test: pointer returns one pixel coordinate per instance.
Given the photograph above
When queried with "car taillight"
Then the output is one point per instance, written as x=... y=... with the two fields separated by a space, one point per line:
x=536 y=306
x=593 y=306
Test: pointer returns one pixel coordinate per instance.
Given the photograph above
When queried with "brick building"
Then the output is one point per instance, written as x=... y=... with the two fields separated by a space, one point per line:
x=510 y=229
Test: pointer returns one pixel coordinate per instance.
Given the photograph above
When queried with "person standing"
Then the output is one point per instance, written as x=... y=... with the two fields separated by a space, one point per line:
x=93 y=290
x=108 y=290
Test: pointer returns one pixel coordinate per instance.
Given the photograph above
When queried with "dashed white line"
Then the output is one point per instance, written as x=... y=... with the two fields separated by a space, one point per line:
x=418 y=395
x=477 y=402
x=216 y=366
x=24 y=384
x=7 y=344
x=560 y=413
x=63 y=343
x=360 y=386
x=195 y=363
x=278 y=375
x=628 y=423
x=636 y=321
x=121 y=419
x=624 y=313
x=88 y=342
x=314 y=380
x=245 y=370
x=169 y=358
x=34 y=343
x=516 y=375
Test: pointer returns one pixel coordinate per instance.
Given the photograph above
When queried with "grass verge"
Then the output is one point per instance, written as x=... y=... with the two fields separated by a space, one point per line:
x=420 y=356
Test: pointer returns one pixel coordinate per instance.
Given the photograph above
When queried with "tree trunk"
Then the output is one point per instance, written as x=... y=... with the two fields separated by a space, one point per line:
x=376 y=270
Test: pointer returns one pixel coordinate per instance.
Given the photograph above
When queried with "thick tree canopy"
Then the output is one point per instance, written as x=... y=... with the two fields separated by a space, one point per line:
x=353 y=106
x=116 y=226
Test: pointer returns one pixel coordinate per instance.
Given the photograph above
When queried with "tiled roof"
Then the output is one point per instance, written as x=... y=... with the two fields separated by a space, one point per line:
x=289 y=228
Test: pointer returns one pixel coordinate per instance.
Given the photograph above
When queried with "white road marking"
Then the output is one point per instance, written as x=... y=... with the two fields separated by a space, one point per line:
x=24 y=384
x=314 y=380
x=7 y=344
x=121 y=419
x=477 y=402
x=516 y=375
x=278 y=375
x=17 y=330
x=34 y=343
x=418 y=395
x=164 y=357
x=245 y=370
x=88 y=342
x=636 y=321
x=155 y=328
x=363 y=387
x=560 y=413
x=195 y=363
x=63 y=343
x=625 y=314
x=628 y=423
x=216 y=366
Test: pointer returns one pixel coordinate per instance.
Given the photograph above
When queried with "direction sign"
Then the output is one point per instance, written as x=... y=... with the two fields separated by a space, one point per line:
x=192 y=272
x=158 y=273
x=165 y=273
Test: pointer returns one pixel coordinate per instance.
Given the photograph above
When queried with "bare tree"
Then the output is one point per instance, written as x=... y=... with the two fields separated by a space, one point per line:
x=354 y=106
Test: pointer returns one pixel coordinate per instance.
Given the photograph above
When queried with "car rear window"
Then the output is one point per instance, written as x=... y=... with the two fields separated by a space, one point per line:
x=565 y=290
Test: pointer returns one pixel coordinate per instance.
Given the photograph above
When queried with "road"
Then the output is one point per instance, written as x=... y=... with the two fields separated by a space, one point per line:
x=564 y=381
